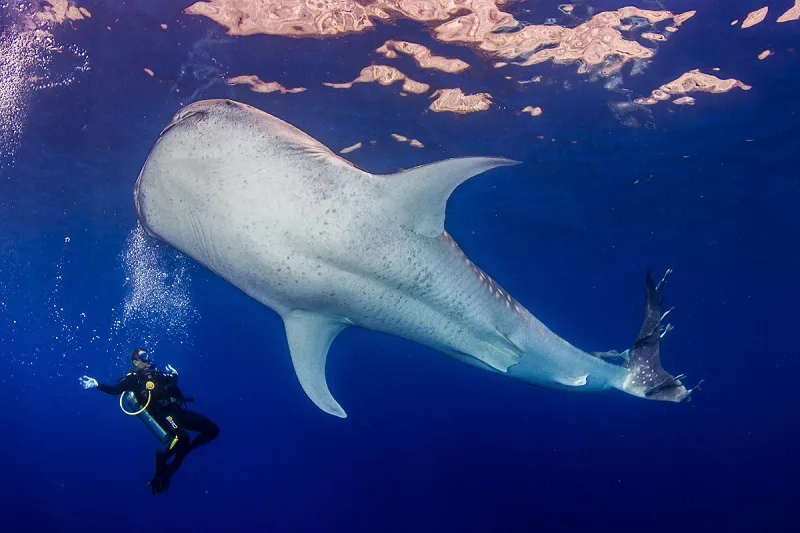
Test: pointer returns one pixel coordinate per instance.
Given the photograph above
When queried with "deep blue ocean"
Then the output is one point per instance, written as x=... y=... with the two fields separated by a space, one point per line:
x=430 y=444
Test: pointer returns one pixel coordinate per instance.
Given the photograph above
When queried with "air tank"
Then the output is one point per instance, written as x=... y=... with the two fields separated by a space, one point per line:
x=132 y=405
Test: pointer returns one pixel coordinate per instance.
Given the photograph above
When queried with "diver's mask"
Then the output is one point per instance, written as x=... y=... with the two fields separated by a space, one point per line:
x=141 y=355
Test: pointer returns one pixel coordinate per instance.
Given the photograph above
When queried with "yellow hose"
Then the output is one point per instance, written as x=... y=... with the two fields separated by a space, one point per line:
x=140 y=411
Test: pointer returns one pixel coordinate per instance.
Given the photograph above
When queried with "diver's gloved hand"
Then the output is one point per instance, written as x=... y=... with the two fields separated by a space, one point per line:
x=171 y=370
x=87 y=382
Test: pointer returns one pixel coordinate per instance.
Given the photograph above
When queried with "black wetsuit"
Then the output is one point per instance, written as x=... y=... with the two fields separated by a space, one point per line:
x=167 y=404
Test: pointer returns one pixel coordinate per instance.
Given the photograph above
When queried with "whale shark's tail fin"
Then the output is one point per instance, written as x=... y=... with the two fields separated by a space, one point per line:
x=647 y=378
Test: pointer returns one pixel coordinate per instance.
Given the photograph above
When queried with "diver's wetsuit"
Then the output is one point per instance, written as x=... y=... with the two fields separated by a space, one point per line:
x=167 y=405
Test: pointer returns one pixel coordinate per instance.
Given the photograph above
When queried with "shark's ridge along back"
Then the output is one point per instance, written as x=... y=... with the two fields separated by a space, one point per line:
x=327 y=245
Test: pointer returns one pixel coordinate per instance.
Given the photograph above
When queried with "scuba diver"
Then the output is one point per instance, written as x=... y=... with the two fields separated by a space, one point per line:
x=154 y=397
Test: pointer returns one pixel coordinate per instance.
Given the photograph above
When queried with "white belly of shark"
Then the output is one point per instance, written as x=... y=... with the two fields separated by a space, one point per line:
x=327 y=246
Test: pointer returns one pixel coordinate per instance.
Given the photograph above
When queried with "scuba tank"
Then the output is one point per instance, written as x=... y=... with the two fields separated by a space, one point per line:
x=131 y=406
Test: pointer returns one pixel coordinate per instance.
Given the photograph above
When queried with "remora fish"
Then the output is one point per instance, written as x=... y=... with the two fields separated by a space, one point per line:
x=327 y=245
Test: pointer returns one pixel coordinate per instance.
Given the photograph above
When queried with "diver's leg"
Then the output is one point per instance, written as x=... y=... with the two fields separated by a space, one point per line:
x=193 y=421
x=180 y=450
x=190 y=421
x=161 y=459
x=164 y=470
x=160 y=480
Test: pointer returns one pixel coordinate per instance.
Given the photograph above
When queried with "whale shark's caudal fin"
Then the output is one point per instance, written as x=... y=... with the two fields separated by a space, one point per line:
x=419 y=195
x=648 y=379
x=310 y=336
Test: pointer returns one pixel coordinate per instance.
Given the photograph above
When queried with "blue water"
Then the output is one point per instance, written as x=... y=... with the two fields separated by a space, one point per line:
x=430 y=444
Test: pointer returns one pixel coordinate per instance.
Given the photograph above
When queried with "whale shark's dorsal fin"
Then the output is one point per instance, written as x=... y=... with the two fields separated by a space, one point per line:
x=420 y=194
x=310 y=336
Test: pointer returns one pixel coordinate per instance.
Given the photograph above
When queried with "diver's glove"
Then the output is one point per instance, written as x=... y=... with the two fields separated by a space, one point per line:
x=171 y=370
x=87 y=382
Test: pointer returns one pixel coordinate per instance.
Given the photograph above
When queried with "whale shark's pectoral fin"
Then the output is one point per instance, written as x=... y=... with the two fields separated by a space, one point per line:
x=310 y=336
x=420 y=195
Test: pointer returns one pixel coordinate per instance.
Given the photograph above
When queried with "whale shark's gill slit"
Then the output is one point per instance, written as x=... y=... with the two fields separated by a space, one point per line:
x=207 y=244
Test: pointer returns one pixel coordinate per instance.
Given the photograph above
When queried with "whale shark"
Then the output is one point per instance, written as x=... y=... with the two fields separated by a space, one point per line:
x=328 y=246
